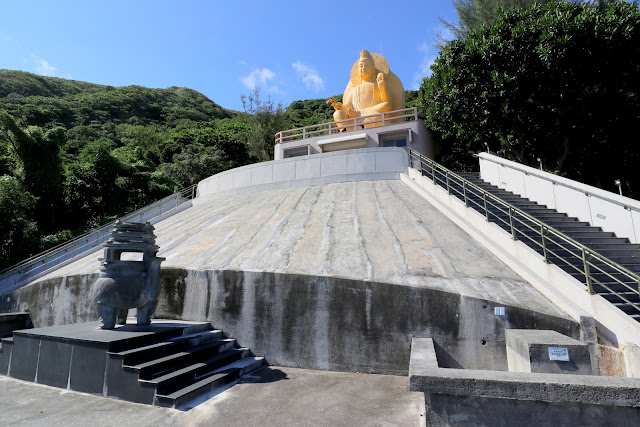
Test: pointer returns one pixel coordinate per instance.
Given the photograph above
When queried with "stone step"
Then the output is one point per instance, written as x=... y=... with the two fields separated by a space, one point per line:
x=179 y=359
x=159 y=349
x=169 y=382
x=210 y=382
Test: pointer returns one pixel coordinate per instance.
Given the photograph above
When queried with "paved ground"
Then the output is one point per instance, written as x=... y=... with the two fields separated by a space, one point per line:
x=272 y=396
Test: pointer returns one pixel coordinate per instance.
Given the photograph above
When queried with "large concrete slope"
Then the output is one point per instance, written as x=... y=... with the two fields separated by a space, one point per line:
x=324 y=276
x=380 y=231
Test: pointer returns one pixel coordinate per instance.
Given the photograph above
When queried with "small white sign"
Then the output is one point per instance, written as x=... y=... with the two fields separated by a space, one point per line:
x=559 y=353
x=499 y=311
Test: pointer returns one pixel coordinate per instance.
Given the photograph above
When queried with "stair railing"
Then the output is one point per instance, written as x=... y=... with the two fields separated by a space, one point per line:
x=22 y=273
x=555 y=246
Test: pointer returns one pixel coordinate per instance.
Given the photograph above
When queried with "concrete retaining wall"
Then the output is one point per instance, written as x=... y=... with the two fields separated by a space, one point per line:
x=598 y=207
x=327 y=323
x=471 y=397
x=342 y=166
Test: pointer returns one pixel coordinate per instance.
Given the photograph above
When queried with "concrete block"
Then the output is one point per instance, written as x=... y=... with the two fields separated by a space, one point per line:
x=54 y=363
x=284 y=171
x=88 y=368
x=225 y=182
x=24 y=367
x=632 y=360
x=390 y=161
x=6 y=345
x=308 y=168
x=361 y=162
x=546 y=352
x=242 y=178
x=334 y=165
x=262 y=175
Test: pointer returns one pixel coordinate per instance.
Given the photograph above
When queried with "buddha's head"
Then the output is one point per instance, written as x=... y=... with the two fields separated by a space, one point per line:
x=366 y=65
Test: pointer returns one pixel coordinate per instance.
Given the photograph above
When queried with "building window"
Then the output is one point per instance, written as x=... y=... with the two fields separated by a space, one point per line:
x=296 y=152
x=397 y=142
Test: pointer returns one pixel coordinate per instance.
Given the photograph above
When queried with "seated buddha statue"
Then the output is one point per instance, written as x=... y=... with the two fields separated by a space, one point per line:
x=373 y=89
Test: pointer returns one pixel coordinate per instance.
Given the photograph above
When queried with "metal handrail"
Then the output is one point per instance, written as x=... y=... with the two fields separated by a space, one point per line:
x=587 y=263
x=556 y=182
x=36 y=265
x=381 y=119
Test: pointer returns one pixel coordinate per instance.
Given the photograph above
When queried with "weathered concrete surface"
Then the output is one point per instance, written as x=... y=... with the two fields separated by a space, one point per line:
x=528 y=351
x=586 y=389
x=380 y=231
x=472 y=397
x=309 y=277
x=272 y=396
x=334 y=323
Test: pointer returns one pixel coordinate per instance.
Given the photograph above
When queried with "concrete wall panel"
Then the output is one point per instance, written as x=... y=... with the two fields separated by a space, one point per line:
x=611 y=217
x=242 y=178
x=284 y=171
x=390 y=161
x=262 y=175
x=361 y=162
x=225 y=182
x=572 y=202
x=540 y=190
x=635 y=216
x=334 y=165
x=490 y=172
x=512 y=180
x=308 y=168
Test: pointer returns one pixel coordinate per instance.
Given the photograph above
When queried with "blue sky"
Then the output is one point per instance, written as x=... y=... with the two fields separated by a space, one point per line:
x=290 y=49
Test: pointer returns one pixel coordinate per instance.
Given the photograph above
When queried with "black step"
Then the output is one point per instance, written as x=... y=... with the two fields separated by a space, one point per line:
x=209 y=382
x=177 y=360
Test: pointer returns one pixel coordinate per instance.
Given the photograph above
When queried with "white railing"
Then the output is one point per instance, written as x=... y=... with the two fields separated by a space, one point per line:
x=383 y=119
x=600 y=208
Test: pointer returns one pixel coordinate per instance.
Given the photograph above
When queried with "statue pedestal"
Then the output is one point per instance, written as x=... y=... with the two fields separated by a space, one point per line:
x=74 y=356
x=167 y=363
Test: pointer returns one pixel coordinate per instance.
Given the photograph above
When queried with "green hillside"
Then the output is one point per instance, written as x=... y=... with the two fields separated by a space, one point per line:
x=74 y=155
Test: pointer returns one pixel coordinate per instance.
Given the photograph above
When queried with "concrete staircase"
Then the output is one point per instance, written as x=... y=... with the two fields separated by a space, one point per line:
x=178 y=370
x=618 y=250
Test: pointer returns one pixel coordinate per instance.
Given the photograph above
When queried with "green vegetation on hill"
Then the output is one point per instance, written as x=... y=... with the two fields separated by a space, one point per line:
x=75 y=155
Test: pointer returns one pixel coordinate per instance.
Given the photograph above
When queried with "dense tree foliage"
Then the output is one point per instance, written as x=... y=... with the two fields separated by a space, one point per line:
x=74 y=155
x=473 y=14
x=559 y=82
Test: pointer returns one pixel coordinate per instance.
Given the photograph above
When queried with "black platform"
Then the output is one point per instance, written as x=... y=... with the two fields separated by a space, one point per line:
x=126 y=361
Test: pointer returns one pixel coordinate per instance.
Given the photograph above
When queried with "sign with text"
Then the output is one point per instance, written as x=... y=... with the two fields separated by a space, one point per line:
x=559 y=353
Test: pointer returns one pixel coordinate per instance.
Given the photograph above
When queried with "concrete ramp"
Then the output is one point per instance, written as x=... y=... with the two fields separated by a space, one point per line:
x=318 y=276
x=372 y=230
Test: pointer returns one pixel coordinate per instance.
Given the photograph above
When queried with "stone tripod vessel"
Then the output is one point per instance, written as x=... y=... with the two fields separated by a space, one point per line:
x=122 y=284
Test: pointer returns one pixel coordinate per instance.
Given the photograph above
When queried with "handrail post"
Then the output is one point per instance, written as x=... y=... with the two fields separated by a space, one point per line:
x=587 y=274
x=447 y=178
x=544 y=245
x=513 y=230
x=433 y=173
x=383 y=119
x=486 y=210
x=464 y=192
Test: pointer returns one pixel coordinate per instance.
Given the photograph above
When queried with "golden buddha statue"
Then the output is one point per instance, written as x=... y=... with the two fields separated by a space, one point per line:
x=373 y=89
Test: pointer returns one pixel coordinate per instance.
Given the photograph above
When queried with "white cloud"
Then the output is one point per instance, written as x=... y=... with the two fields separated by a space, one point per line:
x=259 y=77
x=309 y=76
x=429 y=52
x=43 y=67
